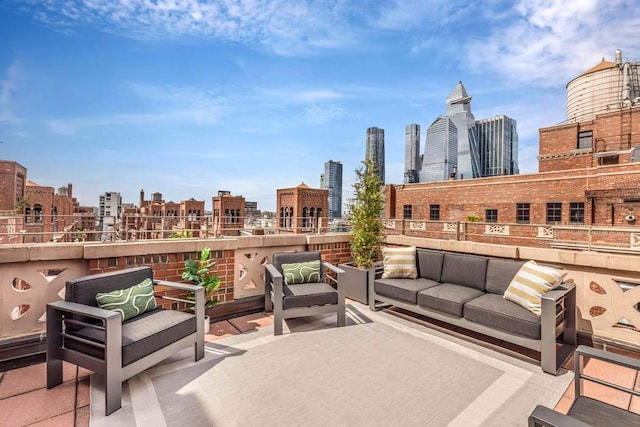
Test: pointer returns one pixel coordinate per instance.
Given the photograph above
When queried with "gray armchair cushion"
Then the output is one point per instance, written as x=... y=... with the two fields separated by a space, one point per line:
x=430 y=264
x=83 y=290
x=464 y=270
x=142 y=335
x=308 y=294
x=499 y=274
x=447 y=297
x=494 y=311
x=402 y=289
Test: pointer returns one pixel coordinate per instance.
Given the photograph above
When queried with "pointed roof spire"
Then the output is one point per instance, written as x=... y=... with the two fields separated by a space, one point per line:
x=459 y=93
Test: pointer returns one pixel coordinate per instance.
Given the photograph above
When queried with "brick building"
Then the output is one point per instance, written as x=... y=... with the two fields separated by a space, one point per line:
x=589 y=174
x=302 y=210
x=13 y=180
x=228 y=214
x=158 y=219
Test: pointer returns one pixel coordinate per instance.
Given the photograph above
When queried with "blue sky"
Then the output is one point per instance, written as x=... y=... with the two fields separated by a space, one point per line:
x=188 y=97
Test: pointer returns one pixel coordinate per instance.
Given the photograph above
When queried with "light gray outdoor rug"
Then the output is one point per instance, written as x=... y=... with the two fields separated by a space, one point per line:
x=378 y=370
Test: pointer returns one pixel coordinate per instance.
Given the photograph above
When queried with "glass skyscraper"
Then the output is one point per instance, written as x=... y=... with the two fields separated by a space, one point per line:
x=332 y=181
x=375 y=149
x=412 y=153
x=498 y=141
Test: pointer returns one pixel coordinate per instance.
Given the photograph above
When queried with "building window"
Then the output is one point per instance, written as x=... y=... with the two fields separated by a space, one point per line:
x=37 y=213
x=491 y=215
x=434 y=212
x=406 y=212
x=576 y=212
x=554 y=213
x=523 y=213
x=585 y=139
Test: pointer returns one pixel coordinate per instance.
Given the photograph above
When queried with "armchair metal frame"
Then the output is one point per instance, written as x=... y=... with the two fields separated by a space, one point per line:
x=61 y=314
x=274 y=296
x=585 y=408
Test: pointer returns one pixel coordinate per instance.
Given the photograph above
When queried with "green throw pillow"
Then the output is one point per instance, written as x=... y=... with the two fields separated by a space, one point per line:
x=129 y=302
x=301 y=272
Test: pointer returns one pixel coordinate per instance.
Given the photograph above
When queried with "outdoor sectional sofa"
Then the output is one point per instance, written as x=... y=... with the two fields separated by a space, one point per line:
x=467 y=291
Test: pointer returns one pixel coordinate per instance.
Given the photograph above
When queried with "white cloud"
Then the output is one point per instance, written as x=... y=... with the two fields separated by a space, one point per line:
x=543 y=42
x=164 y=104
x=7 y=92
x=287 y=27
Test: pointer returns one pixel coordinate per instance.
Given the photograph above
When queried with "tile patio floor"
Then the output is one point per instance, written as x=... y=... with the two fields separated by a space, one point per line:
x=25 y=401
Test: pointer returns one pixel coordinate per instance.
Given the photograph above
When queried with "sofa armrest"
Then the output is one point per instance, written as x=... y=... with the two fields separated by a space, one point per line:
x=276 y=281
x=545 y=417
x=198 y=292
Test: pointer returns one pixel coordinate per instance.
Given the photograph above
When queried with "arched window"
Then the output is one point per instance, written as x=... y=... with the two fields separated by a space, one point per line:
x=319 y=216
x=281 y=217
x=238 y=216
x=304 y=217
x=226 y=216
x=312 y=213
x=27 y=214
x=290 y=217
x=37 y=213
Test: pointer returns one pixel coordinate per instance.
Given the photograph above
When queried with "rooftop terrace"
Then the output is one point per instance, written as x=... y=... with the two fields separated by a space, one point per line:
x=41 y=270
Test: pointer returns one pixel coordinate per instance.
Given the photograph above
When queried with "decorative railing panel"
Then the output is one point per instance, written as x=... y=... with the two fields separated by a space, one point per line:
x=26 y=290
x=501 y=230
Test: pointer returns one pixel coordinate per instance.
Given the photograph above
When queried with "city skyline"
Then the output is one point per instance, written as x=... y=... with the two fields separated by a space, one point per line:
x=188 y=98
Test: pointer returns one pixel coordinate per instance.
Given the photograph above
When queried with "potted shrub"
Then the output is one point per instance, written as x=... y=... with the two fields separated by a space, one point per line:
x=366 y=231
x=199 y=272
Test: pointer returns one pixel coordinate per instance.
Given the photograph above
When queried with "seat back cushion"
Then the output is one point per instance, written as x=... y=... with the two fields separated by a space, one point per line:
x=399 y=263
x=83 y=290
x=531 y=282
x=430 y=264
x=499 y=274
x=464 y=270
x=129 y=302
x=296 y=257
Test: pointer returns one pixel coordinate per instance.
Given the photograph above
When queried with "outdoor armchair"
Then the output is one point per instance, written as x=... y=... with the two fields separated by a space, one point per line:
x=585 y=411
x=311 y=297
x=82 y=333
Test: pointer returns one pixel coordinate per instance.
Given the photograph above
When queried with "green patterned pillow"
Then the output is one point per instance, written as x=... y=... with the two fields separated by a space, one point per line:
x=129 y=302
x=301 y=272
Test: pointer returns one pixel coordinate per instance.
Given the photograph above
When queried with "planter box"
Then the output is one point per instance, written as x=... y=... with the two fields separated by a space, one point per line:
x=356 y=282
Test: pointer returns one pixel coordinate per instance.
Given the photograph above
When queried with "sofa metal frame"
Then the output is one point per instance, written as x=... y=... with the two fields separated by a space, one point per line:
x=558 y=318
x=63 y=313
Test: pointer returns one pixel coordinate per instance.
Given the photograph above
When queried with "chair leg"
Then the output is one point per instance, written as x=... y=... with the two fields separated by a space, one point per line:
x=54 y=343
x=277 y=323
x=112 y=393
x=341 y=313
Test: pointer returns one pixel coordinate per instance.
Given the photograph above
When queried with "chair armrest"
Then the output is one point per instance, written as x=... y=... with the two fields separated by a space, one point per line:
x=177 y=285
x=276 y=280
x=618 y=359
x=545 y=417
x=84 y=310
x=332 y=267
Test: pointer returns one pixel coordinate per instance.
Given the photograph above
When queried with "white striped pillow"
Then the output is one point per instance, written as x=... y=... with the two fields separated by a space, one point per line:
x=530 y=283
x=399 y=263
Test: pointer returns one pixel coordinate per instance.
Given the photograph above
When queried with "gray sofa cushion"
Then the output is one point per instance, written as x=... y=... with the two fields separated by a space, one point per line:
x=142 y=335
x=494 y=311
x=447 y=297
x=499 y=274
x=429 y=264
x=308 y=294
x=405 y=290
x=464 y=270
